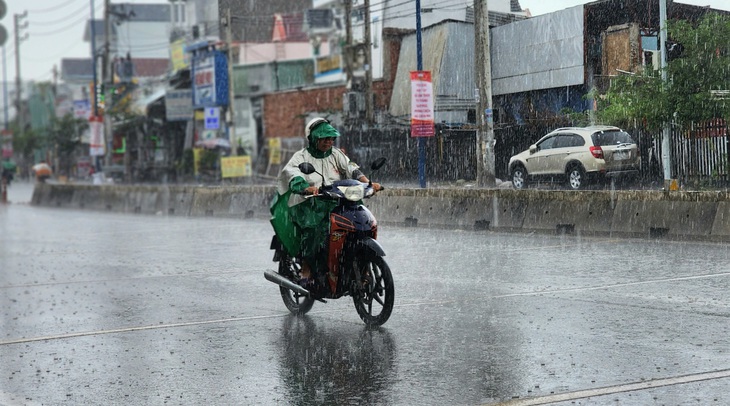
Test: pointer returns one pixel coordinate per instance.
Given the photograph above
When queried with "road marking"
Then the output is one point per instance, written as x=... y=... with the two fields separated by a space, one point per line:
x=610 y=390
x=616 y=285
x=140 y=328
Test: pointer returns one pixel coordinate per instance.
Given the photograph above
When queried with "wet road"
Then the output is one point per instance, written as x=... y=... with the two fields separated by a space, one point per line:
x=100 y=308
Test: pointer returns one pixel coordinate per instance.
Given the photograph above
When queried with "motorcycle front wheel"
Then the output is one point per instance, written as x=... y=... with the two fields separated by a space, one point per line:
x=373 y=295
x=296 y=303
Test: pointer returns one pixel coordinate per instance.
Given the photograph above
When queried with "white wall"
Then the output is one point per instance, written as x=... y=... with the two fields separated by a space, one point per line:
x=543 y=52
x=143 y=39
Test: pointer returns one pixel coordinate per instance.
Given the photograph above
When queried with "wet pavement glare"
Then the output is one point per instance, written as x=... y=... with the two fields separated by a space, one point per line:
x=105 y=308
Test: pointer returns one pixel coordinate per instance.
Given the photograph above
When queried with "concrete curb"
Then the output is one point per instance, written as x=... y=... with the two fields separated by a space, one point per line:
x=652 y=214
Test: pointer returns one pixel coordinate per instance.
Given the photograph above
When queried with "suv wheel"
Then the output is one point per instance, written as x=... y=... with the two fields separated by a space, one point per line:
x=519 y=177
x=576 y=177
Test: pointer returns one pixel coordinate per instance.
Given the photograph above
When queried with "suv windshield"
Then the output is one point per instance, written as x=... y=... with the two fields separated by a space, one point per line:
x=616 y=137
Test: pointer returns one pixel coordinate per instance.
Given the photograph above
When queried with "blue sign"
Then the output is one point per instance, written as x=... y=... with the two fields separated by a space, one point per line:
x=210 y=79
x=212 y=118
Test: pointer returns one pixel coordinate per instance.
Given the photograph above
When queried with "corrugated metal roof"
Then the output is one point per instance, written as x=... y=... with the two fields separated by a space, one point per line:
x=448 y=52
x=543 y=52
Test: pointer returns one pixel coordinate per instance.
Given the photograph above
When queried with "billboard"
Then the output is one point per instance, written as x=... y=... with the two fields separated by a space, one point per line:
x=179 y=105
x=210 y=79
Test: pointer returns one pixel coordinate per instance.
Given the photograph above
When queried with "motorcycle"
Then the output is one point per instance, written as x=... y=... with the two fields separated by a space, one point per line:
x=355 y=264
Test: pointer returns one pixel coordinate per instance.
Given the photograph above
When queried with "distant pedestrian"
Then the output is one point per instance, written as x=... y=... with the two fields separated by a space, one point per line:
x=42 y=171
x=8 y=170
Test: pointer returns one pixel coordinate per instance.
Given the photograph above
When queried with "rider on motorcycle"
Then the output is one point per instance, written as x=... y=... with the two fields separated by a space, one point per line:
x=8 y=169
x=302 y=224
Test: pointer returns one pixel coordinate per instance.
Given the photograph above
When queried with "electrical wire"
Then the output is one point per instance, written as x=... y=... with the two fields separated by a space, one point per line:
x=62 y=19
x=74 y=24
x=52 y=9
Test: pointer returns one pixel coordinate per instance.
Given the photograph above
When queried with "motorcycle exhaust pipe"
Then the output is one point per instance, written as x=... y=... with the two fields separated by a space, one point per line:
x=286 y=283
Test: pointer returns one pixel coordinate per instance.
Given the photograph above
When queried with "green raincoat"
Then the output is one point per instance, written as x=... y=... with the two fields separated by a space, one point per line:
x=301 y=224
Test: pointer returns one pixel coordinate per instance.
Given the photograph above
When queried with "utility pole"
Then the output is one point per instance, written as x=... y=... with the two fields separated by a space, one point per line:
x=18 y=85
x=419 y=67
x=369 y=108
x=666 y=132
x=107 y=80
x=231 y=96
x=94 y=104
x=3 y=40
x=485 y=121
x=348 y=54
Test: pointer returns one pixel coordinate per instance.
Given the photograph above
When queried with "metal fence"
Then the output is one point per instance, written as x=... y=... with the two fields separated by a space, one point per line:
x=699 y=157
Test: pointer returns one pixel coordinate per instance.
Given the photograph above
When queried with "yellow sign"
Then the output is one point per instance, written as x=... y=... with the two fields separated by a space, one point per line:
x=236 y=166
x=275 y=151
x=328 y=63
x=180 y=59
x=196 y=160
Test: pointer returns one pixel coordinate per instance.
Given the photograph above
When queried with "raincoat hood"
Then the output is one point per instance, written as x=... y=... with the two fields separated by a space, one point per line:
x=323 y=130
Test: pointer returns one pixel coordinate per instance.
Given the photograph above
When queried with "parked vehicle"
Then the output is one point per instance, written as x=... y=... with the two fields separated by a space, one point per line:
x=355 y=264
x=577 y=156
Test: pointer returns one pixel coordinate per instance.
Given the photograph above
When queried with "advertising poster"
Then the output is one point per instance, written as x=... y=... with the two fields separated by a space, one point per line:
x=96 y=144
x=236 y=166
x=422 y=116
x=6 y=143
x=275 y=151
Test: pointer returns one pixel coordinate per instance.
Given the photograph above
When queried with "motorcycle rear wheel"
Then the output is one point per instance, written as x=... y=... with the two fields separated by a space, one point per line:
x=296 y=303
x=373 y=296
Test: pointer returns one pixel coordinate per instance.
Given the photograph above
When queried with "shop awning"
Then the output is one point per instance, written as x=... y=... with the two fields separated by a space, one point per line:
x=141 y=105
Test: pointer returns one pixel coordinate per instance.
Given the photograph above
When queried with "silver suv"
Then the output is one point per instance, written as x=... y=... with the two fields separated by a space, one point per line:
x=577 y=155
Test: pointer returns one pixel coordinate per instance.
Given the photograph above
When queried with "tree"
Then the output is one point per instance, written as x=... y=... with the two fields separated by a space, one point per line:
x=702 y=70
x=65 y=135
x=695 y=79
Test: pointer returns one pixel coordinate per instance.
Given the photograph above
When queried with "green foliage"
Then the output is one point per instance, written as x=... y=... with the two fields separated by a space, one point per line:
x=65 y=136
x=635 y=99
x=687 y=96
x=185 y=164
x=704 y=67
x=26 y=142
x=208 y=159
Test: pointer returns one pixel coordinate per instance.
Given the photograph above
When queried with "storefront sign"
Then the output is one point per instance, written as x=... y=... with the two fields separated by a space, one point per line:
x=82 y=109
x=210 y=79
x=236 y=166
x=212 y=118
x=179 y=105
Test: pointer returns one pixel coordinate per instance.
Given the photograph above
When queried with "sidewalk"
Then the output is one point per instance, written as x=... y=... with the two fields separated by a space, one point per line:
x=20 y=192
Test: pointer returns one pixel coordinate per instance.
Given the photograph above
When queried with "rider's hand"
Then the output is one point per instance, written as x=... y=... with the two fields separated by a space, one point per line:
x=312 y=190
x=377 y=187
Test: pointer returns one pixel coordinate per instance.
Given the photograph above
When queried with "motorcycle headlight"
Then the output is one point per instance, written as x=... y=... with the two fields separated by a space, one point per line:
x=353 y=193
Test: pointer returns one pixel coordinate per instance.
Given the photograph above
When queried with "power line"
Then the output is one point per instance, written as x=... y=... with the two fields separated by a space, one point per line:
x=62 y=19
x=74 y=24
x=52 y=9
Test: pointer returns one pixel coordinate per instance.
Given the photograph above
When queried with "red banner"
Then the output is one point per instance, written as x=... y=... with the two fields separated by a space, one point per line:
x=422 y=114
x=96 y=145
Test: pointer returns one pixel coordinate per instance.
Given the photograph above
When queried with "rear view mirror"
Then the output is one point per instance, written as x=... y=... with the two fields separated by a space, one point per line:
x=378 y=163
x=306 y=168
x=533 y=148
